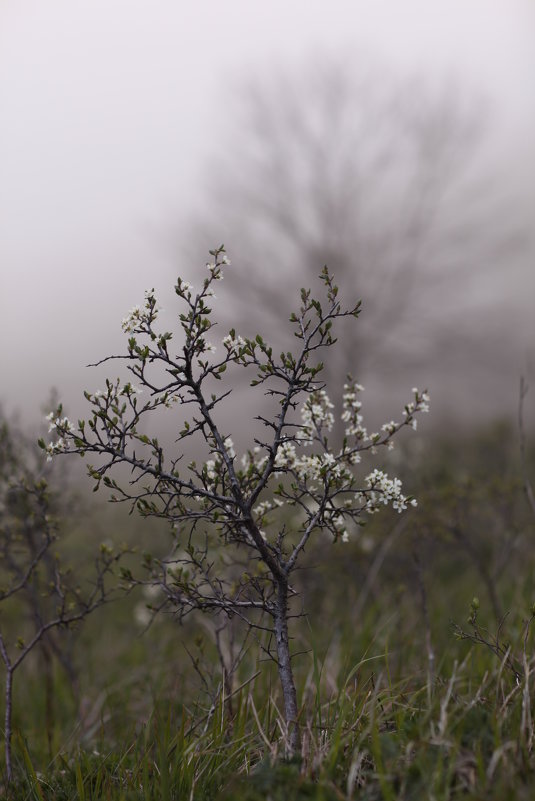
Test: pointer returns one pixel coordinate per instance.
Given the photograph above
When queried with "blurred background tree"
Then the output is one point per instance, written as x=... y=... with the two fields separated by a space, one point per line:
x=384 y=180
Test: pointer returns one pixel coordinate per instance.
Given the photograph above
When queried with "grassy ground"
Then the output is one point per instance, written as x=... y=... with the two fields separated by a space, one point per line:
x=408 y=688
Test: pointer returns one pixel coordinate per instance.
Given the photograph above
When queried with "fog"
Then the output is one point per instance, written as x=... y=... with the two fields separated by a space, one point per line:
x=116 y=126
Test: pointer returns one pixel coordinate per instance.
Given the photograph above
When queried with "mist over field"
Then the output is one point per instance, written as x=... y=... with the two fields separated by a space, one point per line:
x=271 y=574
x=396 y=147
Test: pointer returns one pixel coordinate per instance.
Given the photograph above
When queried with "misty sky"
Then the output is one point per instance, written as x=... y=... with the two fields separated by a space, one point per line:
x=110 y=110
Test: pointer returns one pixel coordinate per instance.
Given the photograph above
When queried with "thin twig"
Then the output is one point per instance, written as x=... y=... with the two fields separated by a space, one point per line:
x=528 y=488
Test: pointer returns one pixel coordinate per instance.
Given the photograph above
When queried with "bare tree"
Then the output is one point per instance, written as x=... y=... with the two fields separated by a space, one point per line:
x=374 y=176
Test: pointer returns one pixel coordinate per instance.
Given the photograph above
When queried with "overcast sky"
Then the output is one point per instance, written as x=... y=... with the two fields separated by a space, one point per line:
x=110 y=109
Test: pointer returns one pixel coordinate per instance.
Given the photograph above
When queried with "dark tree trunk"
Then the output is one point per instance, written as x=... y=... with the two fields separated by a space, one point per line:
x=285 y=669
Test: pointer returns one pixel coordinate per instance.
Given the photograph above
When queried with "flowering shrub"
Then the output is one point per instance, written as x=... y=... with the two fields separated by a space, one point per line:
x=225 y=500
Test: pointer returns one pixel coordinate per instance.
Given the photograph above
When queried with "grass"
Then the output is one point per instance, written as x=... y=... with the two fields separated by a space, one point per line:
x=381 y=719
x=468 y=736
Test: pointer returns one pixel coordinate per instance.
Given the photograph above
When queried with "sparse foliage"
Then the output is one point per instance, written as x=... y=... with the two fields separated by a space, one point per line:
x=236 y=550
x=45 y=594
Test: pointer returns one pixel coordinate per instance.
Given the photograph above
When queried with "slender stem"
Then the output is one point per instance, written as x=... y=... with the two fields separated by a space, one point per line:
x=427 y=626
x=285 y=669
x=8 y=706
x=48 y=671
x=7 y=724
x=528 y=489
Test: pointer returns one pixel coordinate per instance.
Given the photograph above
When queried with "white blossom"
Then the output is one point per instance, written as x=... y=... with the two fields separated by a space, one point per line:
x=384 y=490
x=351 y=411
x=215 y=270
x=60 y=424
x=53 y=448
x=132 y=319
x=211 y=467
x=233 y=343
x=229 y=447
x=286 y=455
x=261 y=508
x=137 y=315
x=316 y=415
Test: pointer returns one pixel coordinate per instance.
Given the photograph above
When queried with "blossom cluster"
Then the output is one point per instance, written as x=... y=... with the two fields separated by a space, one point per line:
x=229 y=447
x=213 y=468
x=385 y=490
x=266 y=506
x=63 y=427
x=316 y=416
x=58 y=423
x=318 y=476
x=184 y=288
x=233 y=343
x=214 y=267
x=315 y=471
x=139 y=316
x=420 y=404
x=351 y=411
x=309 y=467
